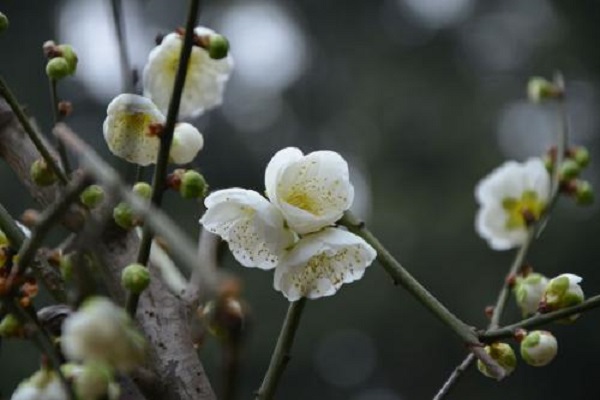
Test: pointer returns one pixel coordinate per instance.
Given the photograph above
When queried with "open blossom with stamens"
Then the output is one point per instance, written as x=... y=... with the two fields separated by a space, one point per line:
x=187 y=142
x=102 y=332
x=205 y=80
x=253 y=227
x=320 y=263
x=312 y=191
x=510 y=198
x=128 y=128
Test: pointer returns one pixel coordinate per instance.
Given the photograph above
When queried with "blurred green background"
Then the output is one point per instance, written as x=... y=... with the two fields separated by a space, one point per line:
x=423 y=97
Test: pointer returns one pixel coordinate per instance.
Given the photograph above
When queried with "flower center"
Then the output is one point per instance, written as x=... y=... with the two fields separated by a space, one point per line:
x=134 y=122
x=303 y=201
x=524 y=211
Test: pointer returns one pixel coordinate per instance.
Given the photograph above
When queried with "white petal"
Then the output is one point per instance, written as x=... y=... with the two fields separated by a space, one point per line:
x=127 y=125
x=205 y=79
x=253 y=227
x=187 y=142
x=26 y=391
x=490 y=224
x=275 y=168
x=320 y=263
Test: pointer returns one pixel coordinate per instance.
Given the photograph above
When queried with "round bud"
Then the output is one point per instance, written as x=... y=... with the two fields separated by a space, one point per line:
x=218 y=47
x=57 y=68
x=503 y=354
x=143 y=189
x=41 y=174
x=92 y=196
x=569 y=169
x=9 y=326
x=225 y=318
x=538 y=348
x=539 y=89
x=192 y=185
x=584 y=193
x=529 y=291
x=581 y=155
x=562 y=292
x=3 y=22
x=124 y=216
x=68 y=53
x=135 y=278
x=92 y=382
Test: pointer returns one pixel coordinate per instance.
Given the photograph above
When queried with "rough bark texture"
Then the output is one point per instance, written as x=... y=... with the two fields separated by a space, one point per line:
x=177 y=371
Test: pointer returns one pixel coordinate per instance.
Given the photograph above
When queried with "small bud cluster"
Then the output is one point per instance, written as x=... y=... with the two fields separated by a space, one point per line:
x=576 y=159
x=62 y=60
x=22 y=286
x=123 y=213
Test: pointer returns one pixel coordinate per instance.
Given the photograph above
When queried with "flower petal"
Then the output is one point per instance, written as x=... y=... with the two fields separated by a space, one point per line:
x=320 y=263
x=275 y=168
x=253 y=227
x=187 y=142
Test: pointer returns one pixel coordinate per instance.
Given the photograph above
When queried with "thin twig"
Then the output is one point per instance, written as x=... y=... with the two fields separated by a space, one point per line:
x=62 y=151
x=119 y=25
x=31 y=131
x=281 y=354
x=508 y=331
x=166 y=138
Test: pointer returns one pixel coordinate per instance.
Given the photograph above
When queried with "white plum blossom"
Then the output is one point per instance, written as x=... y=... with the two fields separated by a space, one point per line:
x=312 y=191
x=563 y=291
x=102 y=332
x=43 y=385
x=253 y=227
x=539 y=348
x=512 y=196
x=187 y=142
x=127 y=128
x=529 y=291
x=320 y=263
x=205 y=80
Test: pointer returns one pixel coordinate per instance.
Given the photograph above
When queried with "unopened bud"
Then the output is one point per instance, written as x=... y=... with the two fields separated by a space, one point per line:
x=218 y=47
x=10 y=326
x=93 y=381
x=539 y=348
x=225 y=318
x=124 y=216
x=581 y=155
x=135 y=278
x=65 y=108
x=192 y=185
x=584 y=193
x=539 y=89
x=3 y=22
x=562 y=292
x=41 y=174
x=503 y=354
x=529 y=291
x=143 y=189
x=70 y=56
x=569 y=169
x=92 y=196
x=57 y=68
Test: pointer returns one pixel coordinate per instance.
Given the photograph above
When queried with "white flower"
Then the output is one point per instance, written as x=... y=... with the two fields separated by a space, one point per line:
x=100 y=331
x=529 y=292
x=187 y=142
x=320 y=263
x=503 y=354
x=43 y=385
x=538 y=348
x=205 y=80
x=127 y=128
x=253 y=227
x=563 y=291
x=510 y=197
x=312 y=191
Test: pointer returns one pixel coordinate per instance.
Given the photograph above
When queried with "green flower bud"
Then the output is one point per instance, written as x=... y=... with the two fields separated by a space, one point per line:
x=57 y=68
x=569 y=169
x=538 y=348
x=92 y=196
x=124 y=216
x=503 y=354
x=143 y=189
x=93 y=381
x=529 y=292
x=9 y=326
x=218 y=47
x=562 y=292
x=41 y=174
x=66 y=267
x=193 y=185
x=3 y=22
x=68 y=53
x=539 y=89
x=135 y=278
x=581 y=155
x=584 y=193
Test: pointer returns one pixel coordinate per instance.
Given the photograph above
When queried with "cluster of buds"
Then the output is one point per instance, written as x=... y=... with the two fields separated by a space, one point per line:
x=189 y=183
x=576 y=159
x=22 y=286
x=123 y=213
x=62 y=60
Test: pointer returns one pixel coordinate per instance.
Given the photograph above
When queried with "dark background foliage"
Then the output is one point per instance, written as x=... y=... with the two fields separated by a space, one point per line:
x=423 y=97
